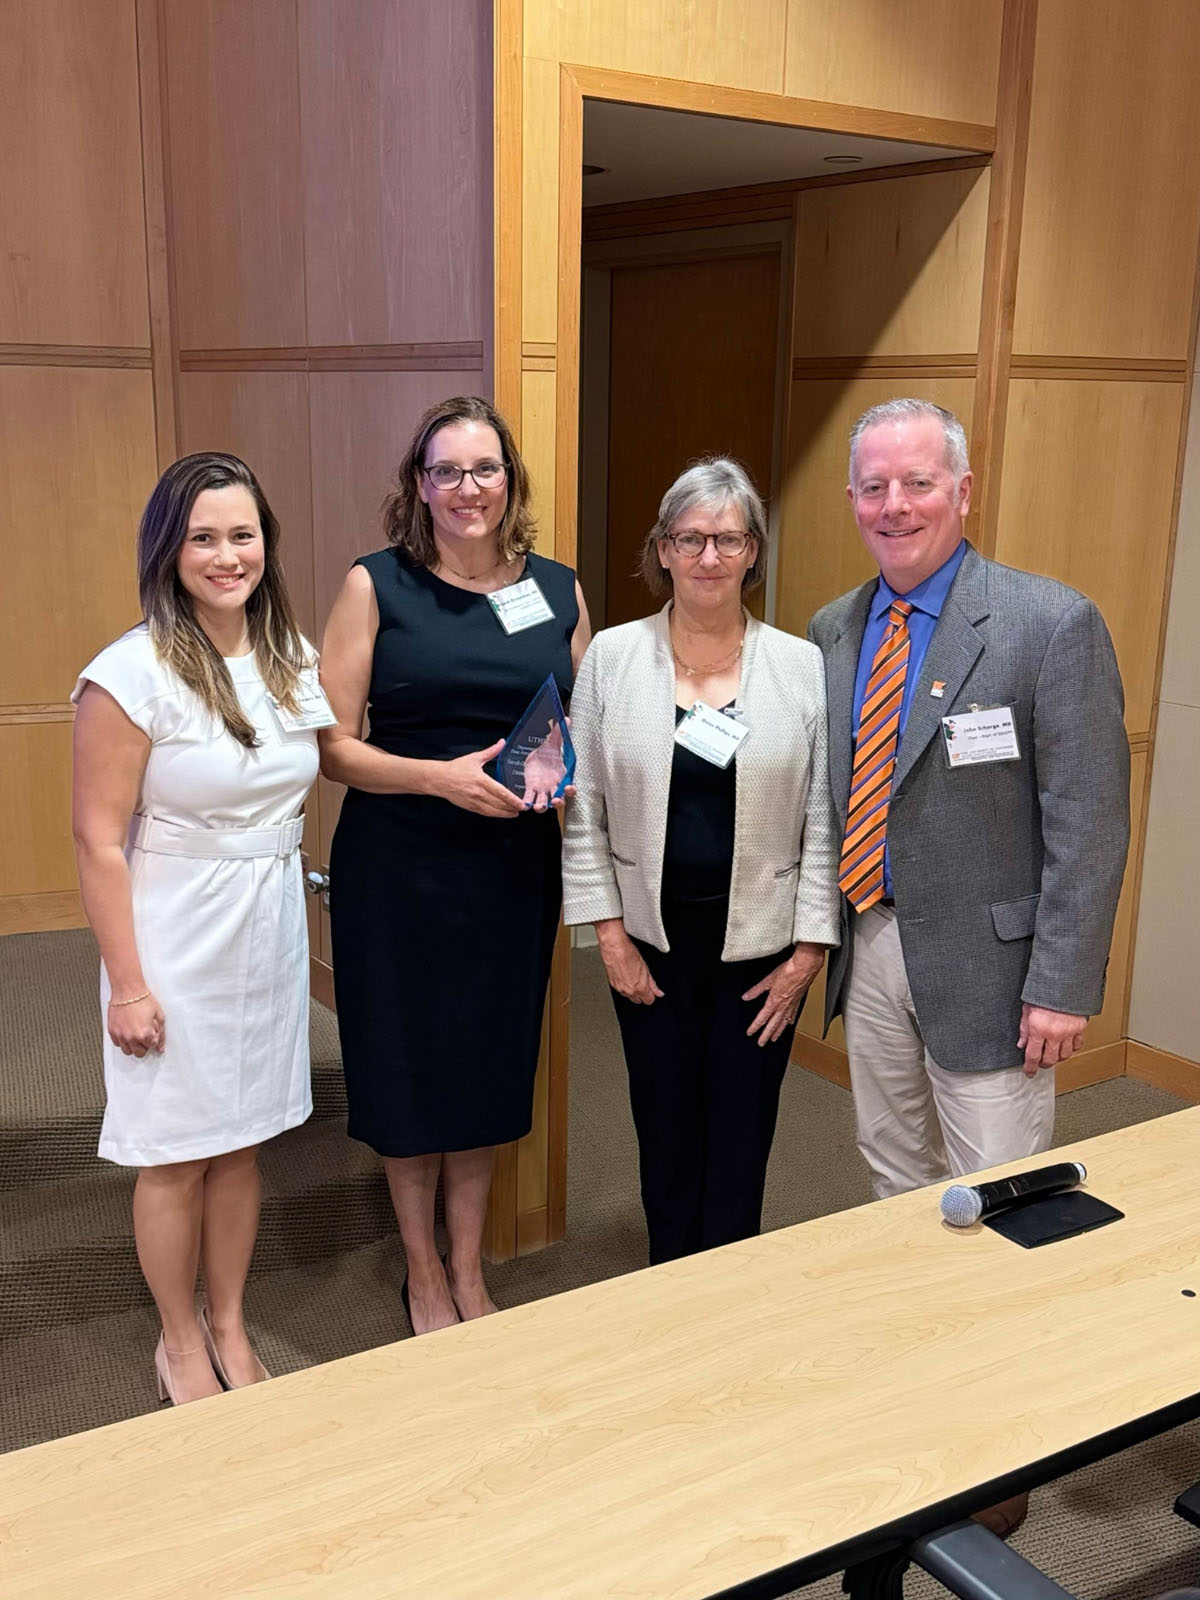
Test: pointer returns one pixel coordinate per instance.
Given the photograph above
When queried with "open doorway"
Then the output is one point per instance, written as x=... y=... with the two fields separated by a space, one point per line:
x=688 y=296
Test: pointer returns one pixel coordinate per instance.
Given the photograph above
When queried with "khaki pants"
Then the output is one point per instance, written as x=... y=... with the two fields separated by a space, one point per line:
x=918 y=1124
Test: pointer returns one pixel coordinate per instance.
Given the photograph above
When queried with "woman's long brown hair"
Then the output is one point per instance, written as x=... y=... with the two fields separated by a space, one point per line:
x=406 y=517
x=179 y=641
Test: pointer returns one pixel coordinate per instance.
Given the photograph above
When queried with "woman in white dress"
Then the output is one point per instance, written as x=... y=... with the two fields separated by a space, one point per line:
x=195 y=746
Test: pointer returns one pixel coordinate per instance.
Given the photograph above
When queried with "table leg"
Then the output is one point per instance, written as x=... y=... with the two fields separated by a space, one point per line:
x=880 y=1578
x=975 y=1565
x=1188 y=1505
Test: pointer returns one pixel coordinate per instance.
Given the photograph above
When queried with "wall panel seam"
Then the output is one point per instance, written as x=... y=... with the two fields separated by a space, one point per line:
x=962 y=366
x=508 y=202
x=1036 y=363
x=450 y=355
x=1068 y=372
x=1006 y=200
x=75 y=355
x=64 y=712
x=156 y=216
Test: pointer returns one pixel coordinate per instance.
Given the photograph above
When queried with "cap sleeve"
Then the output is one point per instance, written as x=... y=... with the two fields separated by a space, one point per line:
x=130 y=671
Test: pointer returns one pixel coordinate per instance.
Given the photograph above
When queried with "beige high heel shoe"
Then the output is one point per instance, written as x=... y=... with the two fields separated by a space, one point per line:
x=162 y=1369
x=210 y=1344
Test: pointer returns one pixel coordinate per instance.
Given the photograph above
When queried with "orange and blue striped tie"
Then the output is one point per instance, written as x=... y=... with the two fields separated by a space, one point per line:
x=860 y=875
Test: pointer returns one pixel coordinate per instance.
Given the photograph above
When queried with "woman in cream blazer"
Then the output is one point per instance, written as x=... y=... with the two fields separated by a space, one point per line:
x=703 y=847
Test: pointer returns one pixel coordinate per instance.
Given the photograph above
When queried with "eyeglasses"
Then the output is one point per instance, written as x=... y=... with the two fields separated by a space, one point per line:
x=486 y=474
x=691 y=544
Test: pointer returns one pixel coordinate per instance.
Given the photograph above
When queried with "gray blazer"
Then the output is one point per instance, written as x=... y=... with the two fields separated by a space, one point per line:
x=784 y=885
x=1005 y=875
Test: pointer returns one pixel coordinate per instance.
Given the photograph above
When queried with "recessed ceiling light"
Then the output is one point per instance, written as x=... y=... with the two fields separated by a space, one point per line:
x=590 y=171
x=842 y=161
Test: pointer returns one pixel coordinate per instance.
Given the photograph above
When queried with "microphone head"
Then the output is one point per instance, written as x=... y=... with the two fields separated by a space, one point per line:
x=961 y=1205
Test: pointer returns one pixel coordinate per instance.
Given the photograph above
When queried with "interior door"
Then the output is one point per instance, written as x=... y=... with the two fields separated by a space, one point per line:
x=693 y=358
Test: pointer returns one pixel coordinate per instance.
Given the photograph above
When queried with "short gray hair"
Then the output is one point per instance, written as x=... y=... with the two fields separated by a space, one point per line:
x=711 y=483
x=902 y=410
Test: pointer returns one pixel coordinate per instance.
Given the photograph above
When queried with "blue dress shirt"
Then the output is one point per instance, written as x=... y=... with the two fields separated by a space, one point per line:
x=927 y=600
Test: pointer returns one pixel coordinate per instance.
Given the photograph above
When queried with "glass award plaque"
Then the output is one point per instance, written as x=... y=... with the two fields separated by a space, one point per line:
x=538 y=756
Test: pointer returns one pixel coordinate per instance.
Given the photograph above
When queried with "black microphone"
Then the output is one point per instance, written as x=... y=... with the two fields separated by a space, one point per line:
x=965 y=1203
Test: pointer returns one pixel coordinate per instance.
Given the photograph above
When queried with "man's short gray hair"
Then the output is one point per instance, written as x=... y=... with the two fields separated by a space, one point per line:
x=902 y=410
x=710 y=483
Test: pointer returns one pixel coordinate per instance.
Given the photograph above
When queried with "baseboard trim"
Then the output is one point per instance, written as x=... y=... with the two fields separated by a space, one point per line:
x=1098 y=1065
x=1176 y=1074
x=41 y=913
x=1090 y=1066
x=826 y=1060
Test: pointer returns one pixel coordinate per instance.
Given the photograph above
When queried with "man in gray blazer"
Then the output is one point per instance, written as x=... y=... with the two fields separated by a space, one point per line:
x=983 y=799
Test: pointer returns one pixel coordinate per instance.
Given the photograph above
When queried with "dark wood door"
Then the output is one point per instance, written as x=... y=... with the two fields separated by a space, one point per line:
x=694 y=352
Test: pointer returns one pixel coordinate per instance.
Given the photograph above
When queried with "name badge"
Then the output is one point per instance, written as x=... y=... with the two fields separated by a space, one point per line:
x=314 y=710
x=712 y=735
x=520 y=606
x=974 y=737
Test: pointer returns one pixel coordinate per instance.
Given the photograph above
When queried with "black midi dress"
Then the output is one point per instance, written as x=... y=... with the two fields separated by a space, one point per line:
x=443 y=920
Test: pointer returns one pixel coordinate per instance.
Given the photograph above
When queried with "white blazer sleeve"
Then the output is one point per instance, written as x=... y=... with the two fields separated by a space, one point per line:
x=818 y=898
x=590 y=892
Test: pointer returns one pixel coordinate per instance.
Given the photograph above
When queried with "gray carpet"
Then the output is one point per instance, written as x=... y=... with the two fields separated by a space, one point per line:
x=77 y=1331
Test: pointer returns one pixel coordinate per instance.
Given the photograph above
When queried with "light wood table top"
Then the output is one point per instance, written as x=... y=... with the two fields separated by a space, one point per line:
x=668 y=1434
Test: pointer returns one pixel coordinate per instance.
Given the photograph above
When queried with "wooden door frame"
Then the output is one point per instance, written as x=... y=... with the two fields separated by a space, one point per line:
x=577 y=83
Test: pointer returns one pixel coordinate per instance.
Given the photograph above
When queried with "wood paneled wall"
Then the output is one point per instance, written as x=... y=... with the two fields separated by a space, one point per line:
x=1102 y=340
x=1102 y=343
x=332 y=227
x=1164 y=998
x=655 y=309
x=1090 y=374
x=77 y=415
x=255 y=225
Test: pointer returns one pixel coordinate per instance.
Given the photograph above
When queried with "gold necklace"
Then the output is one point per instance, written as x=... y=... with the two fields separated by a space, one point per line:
x=472 y=577
x=710 y=666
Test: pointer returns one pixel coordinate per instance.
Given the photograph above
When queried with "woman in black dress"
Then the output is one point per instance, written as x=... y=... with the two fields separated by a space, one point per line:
x=445 y=888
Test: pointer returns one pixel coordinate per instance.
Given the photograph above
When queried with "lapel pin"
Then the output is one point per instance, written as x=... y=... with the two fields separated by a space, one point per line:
x=939 y=689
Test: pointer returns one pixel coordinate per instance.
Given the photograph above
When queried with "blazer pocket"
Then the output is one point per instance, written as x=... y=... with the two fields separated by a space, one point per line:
x=622 y=861
x=783 y=872
x=1015 y=919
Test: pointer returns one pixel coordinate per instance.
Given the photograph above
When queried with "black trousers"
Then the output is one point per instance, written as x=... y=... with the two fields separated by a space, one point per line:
x=704 y=1095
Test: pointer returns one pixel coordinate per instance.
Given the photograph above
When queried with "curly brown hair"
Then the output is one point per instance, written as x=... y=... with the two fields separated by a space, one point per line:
x=406 y=518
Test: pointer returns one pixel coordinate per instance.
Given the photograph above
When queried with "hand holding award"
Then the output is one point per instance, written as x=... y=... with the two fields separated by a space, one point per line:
x=538 y=759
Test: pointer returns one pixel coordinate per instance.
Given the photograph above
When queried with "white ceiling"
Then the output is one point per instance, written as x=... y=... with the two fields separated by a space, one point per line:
x=649 y=152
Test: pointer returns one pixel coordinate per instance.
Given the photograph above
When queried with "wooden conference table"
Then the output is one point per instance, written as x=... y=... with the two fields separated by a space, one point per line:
x=739 y=1422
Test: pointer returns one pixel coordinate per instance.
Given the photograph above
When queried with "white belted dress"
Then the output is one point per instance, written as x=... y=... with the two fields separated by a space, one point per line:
x=218 y=910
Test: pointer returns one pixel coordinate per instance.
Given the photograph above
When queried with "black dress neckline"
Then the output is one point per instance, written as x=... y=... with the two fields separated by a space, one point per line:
x=479 y=594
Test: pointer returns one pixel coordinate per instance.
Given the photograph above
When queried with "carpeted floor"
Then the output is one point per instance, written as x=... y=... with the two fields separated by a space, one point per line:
x=76 y=1329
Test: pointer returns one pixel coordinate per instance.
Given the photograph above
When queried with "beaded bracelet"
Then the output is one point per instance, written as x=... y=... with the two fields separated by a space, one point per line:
x=132 y=1002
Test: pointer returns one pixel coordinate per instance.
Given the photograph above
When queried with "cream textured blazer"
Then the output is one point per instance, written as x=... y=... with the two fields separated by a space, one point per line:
x=785 y=850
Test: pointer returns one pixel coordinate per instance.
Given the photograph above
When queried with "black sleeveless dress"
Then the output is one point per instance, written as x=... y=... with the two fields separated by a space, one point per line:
x=443 y=920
